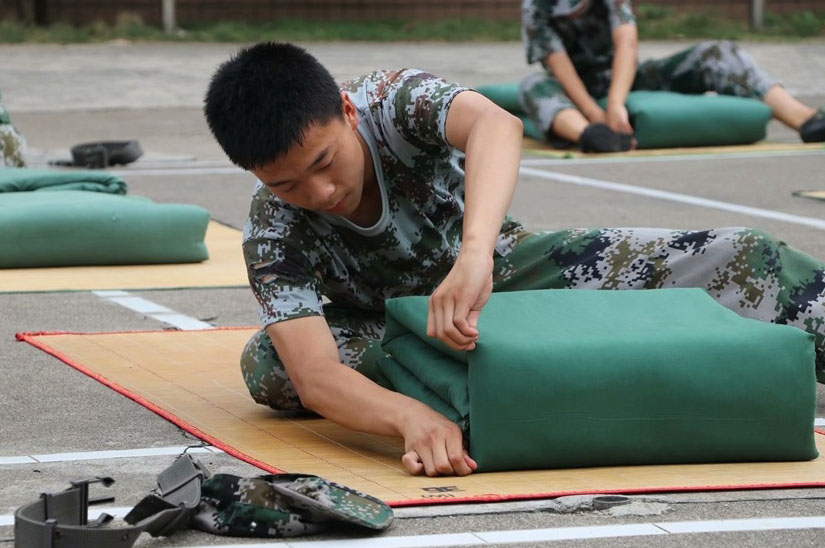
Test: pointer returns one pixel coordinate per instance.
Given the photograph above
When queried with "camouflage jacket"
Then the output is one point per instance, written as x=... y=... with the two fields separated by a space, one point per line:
x=294 y=256
x=582 y=28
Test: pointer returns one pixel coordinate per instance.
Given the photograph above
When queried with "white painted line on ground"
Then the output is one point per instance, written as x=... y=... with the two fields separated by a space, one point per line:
x=115 y=293
x=185 y=323
x=762 y=524
x=675 y=197
x=571 y=533
x=94 y=512
x=139 y=304
x=119 y=454
x=519 y=535
x=153 y=310
x=180 y=171
x=538 y=162
x=17 y=460
x=108 y=454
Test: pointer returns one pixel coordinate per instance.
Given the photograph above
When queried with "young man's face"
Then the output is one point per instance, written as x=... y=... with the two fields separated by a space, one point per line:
x=326 y=172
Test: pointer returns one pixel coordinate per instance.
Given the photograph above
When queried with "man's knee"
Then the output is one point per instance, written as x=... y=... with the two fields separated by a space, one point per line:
x=265 y=375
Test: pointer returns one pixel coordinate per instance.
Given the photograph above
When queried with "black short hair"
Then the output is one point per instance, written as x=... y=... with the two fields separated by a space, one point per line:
x=261 y=102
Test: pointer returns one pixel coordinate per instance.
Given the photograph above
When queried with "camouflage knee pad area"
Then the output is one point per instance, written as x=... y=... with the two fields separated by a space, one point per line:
x=359 y=347
x=12 y=143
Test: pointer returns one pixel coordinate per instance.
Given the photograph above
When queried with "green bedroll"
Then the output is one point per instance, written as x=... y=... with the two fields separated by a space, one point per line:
x=23 y=179
x=574 y=378
x=663 y=119
x=77 y=228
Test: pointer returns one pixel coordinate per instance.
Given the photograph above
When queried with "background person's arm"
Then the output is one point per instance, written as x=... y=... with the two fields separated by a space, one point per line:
x=491 y=140
x=561 y=66
x=433 y=443
x=625 y=43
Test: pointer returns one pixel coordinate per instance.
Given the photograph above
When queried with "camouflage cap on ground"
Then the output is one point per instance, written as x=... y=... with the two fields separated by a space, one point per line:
x=283 y=505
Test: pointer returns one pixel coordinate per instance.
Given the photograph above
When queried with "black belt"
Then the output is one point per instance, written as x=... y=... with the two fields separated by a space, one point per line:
x=59 y=520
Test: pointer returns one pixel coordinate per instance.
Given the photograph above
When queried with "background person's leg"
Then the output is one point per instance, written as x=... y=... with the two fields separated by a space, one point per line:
x=358 y=336
x=746 y=270
x=542 y=97
x=725 y=68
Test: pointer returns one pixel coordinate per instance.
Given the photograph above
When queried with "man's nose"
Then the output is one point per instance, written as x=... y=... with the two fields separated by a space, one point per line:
x=321 y=191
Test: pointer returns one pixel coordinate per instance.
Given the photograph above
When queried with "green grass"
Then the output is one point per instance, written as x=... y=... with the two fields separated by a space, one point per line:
x=655 y=22
x=663 y=23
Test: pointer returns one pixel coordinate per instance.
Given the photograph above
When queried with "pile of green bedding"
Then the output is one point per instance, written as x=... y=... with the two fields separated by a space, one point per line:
x=663 y=119
x=572 y=378
x=79 y=218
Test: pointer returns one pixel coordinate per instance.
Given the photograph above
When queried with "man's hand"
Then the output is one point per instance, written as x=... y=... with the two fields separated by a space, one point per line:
x=456 y=303
x=618 y=120
x=595 y=114
x=434 y=445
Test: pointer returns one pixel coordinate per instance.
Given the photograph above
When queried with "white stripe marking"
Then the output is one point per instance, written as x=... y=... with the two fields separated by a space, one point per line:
x=537 y=162
x=819 y=422
x=183 y=171
x=448 y=539
x=764 y=524
x=17 y=460
x=139 y=304
x=109 y=454
x=118 y=454
x=154 y=310
x=520 y=535
x=185 y=323
x=571 y=533
x=107 y=294
x=676 y=197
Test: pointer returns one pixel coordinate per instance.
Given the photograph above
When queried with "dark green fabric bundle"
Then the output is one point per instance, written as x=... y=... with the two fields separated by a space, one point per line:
x=572 y=378
x=22 y=179
x=663 y=119
x=74 y=228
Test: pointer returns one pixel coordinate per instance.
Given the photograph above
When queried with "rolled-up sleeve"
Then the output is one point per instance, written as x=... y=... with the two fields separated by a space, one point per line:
x=539 y=39
x=621 y=13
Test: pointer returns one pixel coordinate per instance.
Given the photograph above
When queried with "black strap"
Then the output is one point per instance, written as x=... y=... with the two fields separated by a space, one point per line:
x=59 y=520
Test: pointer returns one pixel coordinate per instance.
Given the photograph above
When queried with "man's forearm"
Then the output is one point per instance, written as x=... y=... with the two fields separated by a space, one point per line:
x=624 y=63
x=493 y=153
x=562 y=68
x=350 y=399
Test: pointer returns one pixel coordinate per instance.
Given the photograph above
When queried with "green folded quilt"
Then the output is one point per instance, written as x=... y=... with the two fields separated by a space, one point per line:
x=73 y=228
x=572 y=378
x=663 y=119
x=22 y=179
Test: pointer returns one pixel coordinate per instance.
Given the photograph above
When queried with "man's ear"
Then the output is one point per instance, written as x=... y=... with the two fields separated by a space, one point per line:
x=349 y=111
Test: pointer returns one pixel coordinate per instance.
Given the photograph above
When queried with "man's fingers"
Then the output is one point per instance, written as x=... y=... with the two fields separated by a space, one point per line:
x=430 y=318
x=449 y=334
x=412 y=462
x=455 y=454
x=462 y=323
x=470 y=462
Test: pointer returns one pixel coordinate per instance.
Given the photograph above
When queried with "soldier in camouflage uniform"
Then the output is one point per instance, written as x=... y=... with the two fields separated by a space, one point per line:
x=414 y=174
x=12 y=143
x=590 y=33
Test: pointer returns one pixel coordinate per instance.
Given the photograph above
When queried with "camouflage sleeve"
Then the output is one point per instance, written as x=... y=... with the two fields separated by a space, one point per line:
x=621 y=12
x=538 y=38
x=280 y=274
x=420 y=103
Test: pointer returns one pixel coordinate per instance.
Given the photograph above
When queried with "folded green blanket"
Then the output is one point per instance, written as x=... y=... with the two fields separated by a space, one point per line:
x=73 y=228
x=571 y=378
x=22 y=179
x=663 y=119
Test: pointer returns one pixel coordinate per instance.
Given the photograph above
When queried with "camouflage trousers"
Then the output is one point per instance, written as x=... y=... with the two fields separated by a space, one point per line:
x=721 y=67
x=12 y=147
x=12 y=144
x=746 y=270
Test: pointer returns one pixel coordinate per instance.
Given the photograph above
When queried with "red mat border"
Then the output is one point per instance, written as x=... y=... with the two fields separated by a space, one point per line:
x=29 y=337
